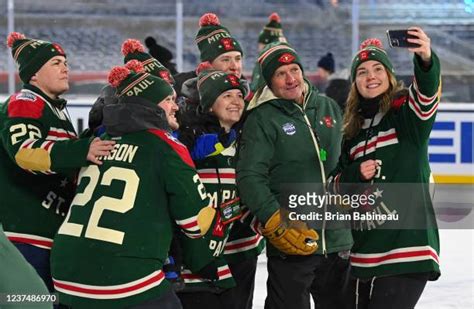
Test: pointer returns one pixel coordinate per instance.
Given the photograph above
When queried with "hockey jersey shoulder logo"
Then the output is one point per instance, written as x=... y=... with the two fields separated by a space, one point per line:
x=175 y=144
x=25 y=105
x=399 y=101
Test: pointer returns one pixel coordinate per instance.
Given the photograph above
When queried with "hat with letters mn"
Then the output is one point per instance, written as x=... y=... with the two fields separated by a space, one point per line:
x=213 y=39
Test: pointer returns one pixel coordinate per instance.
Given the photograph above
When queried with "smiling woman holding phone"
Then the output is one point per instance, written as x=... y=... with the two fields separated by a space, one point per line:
x=386 y=132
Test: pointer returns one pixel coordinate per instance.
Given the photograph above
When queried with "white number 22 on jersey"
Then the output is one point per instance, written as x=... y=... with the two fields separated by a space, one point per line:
x=122 y=205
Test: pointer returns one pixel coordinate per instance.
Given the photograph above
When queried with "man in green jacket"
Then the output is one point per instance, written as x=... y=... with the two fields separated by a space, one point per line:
x=292 y=136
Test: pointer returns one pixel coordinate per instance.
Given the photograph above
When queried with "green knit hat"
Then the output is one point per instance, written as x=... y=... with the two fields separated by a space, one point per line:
x=371 y=49
x=133 y=49
x=31 y=54
x=213 y=39
x=272 y=32
x=212 y=83
x=273 y=56
x=131 y=81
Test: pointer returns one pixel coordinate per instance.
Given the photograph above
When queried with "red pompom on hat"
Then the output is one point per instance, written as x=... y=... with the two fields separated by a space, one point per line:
x=203 y=66
x=135 y=66
x=117 y=75
x=371 y=42
x=132 y=46
x=209 y=19
x=14 y=36
x=274 y=17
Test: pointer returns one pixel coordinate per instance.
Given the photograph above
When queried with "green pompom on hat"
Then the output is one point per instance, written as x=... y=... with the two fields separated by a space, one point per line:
x=272 y=32
x=371 y=49
x=213 y=39
x=273 y=56
x=31 y=54
x=134 y=49
x=131 y=81
x=212 y=83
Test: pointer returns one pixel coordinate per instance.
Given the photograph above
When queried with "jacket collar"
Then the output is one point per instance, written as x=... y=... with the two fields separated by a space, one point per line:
x=265 y=95
x=58 y=103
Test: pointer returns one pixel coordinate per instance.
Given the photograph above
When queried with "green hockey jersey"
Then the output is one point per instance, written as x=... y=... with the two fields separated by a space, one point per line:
x=218 y=175
x=398 y=141
x=110 y=250
x=39 y=154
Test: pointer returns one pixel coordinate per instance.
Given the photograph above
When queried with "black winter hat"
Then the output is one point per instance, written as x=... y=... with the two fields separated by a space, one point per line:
x=327 y=63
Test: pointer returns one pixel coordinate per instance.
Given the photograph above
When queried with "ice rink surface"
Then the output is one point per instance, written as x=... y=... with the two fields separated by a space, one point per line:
x=454 y=289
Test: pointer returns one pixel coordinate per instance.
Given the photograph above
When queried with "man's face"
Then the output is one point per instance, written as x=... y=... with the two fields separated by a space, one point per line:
x=170 y=107
x=288 y=82
x=53 y=77
x=230 y=62
x=371 y=79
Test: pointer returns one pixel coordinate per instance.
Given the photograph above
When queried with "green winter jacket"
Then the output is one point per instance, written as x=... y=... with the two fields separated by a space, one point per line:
x=278 y=146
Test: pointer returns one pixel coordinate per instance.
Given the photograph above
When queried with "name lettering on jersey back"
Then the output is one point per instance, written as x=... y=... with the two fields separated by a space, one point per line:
x=121 y=152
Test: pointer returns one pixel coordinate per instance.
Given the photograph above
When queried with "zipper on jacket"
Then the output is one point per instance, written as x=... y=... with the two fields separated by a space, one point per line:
x=323 y=174
x=368 y=136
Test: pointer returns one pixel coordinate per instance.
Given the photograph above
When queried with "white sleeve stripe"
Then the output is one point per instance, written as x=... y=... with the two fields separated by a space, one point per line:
x=424 y=100
x=187 y=221
x=422 y=115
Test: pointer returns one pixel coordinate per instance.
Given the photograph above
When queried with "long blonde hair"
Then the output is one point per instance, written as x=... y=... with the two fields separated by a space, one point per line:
x=353 y=120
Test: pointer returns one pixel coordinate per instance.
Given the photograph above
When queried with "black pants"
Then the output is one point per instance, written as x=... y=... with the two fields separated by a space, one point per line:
x=241 y=296
x=168 y=300
x=201 y=300
x=397 y=292
x=292 y=279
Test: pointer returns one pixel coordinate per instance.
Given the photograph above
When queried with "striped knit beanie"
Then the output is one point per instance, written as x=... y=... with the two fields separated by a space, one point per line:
x=272 y=32
x=31 y=54
x=273 y=56
x=212 y=83
x=130 y=81
x=371 y=49
x=133 y=49
x=213 y=39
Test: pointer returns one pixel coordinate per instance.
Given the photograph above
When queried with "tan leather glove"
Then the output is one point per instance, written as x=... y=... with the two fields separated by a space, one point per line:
x=293 y=238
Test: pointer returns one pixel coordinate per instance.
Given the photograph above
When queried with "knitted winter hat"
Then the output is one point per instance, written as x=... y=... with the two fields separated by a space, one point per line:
x=327 y=62
x=31 y=54
x=133 y=49
x=212 y=83
x=213 y=39
x=138 y=84
x=371 y=49
x=272 y=32
x=273 y=56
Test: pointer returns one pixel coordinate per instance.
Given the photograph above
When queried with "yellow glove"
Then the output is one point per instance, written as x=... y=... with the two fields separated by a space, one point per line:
x=293 y=239
x=205 y=218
